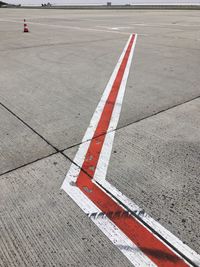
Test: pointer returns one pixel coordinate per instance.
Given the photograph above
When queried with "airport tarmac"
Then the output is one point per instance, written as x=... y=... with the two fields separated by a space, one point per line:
x=51 y=81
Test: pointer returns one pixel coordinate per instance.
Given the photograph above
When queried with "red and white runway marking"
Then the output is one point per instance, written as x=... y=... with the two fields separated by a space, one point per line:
x=141 y=239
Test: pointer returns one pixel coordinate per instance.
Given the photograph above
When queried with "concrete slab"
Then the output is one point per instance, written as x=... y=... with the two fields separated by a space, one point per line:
x=159 y=79
x=41 y=226
x=54 y=76
x=56 y=87
x=165 y=68
x=19 y=145
x=156 y=163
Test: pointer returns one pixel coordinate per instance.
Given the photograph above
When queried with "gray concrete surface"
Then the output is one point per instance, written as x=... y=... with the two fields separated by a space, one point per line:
x=156 y=163
x=41 y=226
x=19 y=145
x=51 y=80
x=65 y=70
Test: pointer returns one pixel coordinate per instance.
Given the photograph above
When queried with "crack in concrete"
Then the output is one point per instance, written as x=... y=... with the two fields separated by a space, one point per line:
x=27 y=125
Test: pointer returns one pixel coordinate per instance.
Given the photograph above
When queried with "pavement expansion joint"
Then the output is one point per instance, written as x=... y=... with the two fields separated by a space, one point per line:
x=29 y=163
x=157 y=113
x=131 y=123
x=27 y=125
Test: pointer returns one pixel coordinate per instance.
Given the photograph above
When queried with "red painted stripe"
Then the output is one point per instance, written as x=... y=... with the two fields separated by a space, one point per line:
x=96 y=144
x=151 y=246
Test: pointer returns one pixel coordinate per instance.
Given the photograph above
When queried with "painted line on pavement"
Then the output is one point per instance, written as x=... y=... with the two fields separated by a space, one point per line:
x=135 y=237
x=67 y=27
x=164 y=24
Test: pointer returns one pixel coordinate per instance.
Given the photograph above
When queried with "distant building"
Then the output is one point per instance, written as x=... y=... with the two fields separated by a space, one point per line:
x=2 y=3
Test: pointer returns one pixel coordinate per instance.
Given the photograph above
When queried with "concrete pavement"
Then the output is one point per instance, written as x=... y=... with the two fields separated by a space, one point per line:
x=51 y=81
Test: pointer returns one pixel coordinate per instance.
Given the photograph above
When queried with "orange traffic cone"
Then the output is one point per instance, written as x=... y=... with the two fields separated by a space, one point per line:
x=25 y=26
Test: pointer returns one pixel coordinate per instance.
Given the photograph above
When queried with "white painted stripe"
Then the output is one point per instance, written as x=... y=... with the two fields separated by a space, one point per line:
x=116 y=236
x=113 y=28
x=101 y=171
x=102 y=166
x=164 y=24
x=80 y=156
x=97 y=114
